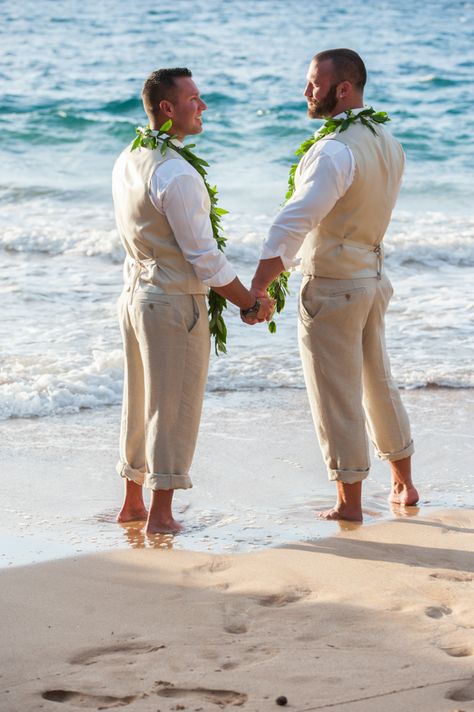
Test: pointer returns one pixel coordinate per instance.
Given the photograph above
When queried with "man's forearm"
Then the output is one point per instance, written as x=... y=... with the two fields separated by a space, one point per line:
x=236 y=293
x=266 y=272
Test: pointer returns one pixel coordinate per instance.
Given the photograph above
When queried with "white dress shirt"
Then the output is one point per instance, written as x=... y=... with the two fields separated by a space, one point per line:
x=323 y=175
x=177 y=191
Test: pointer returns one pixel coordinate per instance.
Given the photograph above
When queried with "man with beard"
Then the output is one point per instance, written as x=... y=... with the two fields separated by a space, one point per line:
x=346 y=186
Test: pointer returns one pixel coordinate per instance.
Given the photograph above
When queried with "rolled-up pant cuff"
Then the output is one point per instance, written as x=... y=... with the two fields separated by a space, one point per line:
x=130 y=473
x=167 y=482
x=349 y=477
x=400 y=455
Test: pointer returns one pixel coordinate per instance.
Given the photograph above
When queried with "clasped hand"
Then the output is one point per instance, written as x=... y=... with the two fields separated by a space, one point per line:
x=265 y=313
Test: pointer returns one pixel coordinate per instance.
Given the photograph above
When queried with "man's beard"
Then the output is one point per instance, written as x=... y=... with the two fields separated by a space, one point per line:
x=324 y=107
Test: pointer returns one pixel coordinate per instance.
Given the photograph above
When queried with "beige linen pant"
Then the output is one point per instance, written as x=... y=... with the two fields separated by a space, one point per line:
x=166 y=349
x=341 y=335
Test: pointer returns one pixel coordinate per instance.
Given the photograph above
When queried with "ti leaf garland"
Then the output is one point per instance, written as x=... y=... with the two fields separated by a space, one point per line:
x=162 y=139
x=278 y=289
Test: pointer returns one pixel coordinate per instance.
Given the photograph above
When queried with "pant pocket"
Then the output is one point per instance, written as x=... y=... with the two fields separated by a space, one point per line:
x=194 y=316
x=387 y=287
x=348 y=294
x=311 y=302
x=161 y=300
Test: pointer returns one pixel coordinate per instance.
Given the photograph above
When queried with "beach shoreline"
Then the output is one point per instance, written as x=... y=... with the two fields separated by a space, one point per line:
x=258 y=476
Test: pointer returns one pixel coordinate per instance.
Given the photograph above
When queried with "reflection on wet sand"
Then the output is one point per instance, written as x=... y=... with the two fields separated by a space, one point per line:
x=399 y=510
x=346 y=526
x=136 y=537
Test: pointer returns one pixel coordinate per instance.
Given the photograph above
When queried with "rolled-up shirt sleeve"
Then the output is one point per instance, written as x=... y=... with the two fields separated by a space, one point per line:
x=323 y=178
x=184 y=201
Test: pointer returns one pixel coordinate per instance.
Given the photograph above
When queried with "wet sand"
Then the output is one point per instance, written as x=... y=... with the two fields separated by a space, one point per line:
x=258 y=476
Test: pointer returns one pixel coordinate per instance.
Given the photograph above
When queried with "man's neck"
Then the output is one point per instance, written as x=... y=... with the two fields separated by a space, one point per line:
x=352 y=105
x=179 y=136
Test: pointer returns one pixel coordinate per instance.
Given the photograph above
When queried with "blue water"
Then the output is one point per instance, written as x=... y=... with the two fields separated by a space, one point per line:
x=70 y=81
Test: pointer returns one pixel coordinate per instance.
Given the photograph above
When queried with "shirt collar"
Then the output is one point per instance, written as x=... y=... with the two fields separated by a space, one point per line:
x=175 y=141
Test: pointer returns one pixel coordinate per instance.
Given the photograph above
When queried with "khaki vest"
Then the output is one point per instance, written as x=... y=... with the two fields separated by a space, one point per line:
x=157 y=264
x=347 y=242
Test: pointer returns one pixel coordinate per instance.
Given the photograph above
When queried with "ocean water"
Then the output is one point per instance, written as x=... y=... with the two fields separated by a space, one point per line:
x=70 y=82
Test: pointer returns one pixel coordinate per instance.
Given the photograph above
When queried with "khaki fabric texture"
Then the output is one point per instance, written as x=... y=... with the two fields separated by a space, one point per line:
x=166 y=344
x=342 y=245
x=347 y=374
x=158 y=266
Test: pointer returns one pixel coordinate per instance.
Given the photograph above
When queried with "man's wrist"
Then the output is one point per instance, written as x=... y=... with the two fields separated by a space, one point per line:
x=253 y=310
x=249 y=301
x=258 y=288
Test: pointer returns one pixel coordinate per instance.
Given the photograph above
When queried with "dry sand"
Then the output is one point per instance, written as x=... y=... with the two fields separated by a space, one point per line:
x=376 y=618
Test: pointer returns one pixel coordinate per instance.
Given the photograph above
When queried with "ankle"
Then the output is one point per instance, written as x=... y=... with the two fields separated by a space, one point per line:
x=348 y=507
x=400 y=485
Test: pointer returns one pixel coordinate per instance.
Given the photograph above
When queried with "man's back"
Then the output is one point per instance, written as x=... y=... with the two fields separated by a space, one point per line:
x=341 y=246
x=145 y=232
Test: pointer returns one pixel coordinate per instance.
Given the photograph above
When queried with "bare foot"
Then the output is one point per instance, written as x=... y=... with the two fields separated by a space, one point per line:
x=164 y=526
x=130 y=514
x=133 y=507
x=341 y=513
x=403 y=490
x=348 y=505
x=404 y=495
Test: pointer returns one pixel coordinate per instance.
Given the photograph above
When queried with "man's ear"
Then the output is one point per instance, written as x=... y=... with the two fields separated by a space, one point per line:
x=166 y=107
x=344 y=89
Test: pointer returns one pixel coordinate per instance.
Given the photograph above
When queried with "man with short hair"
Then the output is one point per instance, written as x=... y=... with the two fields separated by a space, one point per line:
x=346 y=186
x=162 y=213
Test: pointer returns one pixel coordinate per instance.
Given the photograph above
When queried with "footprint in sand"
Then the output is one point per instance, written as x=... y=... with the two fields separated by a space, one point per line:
x=222 y=586
x=278 y=600
x=235 y=619
x=215 y=565
x=458 y=651
x=235 y=627
x=230 y=665
x=259 y=653
x=462 y=694
x=113 y=652
x=437 y=611
x=254 y=655
x=460 y=578
x=83 y=699
x=203 y=694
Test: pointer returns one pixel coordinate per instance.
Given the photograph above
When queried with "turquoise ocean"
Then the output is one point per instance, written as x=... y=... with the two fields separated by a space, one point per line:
x=70 y=82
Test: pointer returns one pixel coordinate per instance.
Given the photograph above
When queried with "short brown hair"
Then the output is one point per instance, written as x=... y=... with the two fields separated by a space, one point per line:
x=348 y=66
x=160 y=85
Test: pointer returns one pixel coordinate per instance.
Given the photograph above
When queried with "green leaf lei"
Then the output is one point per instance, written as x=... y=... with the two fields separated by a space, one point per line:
x=278 y=289
x=147 y=138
